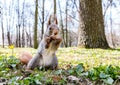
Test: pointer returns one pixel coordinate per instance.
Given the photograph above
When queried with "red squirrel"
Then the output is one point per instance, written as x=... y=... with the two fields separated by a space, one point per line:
x=45 y=55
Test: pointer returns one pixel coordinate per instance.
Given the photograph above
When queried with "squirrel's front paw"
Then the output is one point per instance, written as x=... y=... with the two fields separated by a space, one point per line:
x=47 y=45
x=59 y=39
x=48 y=39
x=52 y=37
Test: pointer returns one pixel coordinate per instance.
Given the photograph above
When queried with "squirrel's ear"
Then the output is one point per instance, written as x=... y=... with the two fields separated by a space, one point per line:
x=49 y=21
x=55 y=20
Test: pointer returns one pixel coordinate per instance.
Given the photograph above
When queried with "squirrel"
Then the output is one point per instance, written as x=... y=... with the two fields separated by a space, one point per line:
x=45 y=55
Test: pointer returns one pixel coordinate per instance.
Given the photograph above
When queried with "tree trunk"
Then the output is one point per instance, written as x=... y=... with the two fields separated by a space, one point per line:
x=30 y=38
x=23 y=29
x=35 y=25
x=19 y=32
x=16 y=36
x=23 y=37
x=2 y=32
x=43 y=3
x=91 y=31
x=66 y=44
x=8 y=28
x=1 y=16
x=19 y=36
x=8 y=37
x=8 y=32
x=111 y=27
x=61 y=25
x=54 y=7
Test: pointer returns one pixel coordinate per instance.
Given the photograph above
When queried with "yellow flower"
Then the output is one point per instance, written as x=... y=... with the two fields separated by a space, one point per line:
x=11 y=46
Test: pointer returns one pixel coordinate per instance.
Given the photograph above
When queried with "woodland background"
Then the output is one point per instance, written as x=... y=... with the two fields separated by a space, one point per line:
x=20 y=18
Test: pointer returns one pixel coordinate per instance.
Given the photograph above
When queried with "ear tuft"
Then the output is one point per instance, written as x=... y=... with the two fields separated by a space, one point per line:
x=55 y=19
x=49 y=21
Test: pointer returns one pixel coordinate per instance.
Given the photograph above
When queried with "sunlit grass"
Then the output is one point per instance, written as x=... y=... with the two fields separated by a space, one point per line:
x=74 y=55
x=68 y=59
x=89 y=57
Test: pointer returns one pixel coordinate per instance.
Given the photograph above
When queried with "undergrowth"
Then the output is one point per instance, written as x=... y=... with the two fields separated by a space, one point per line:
x=76 y=66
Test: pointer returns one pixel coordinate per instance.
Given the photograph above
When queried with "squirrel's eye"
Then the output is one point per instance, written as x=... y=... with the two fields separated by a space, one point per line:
x=50 y=28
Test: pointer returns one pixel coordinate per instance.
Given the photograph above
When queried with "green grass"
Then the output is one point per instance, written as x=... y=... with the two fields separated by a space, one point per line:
x=91 y=65
x=89 y=57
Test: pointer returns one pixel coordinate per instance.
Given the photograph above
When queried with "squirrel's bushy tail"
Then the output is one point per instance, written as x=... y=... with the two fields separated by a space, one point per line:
x=25 y=57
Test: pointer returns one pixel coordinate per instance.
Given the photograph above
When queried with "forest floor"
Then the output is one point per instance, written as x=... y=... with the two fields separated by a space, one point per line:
x=77 y=66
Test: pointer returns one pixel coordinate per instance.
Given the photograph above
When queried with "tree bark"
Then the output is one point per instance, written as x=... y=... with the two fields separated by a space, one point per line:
x=23 y=23
x=8 y=37
x=8 y=28
x=91 y=31
x=111 y=27
x=1 y=16
x=19 y=25
x=16 y=36
x=43 y=3
x=35 y=25
x=30 y=37
x=61 y=26
x=66 y=12
x=2 y=31
x=54 y=7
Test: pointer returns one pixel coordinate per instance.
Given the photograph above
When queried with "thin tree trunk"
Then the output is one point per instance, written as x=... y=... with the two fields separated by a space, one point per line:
x=8 y=37
x=8 y=28
x=2 y=32
x=27 y=38
x=1 y=16
x=23 y=29
x=111 y=28
x=19 y=36
x=43 y=3
x=61 y=24
x=19 y=32
x=55 y=7
x=66 y=44
x=23 y=37
x=30 y=38
x=35 y=25
x=8 y=32
x=16 y=36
